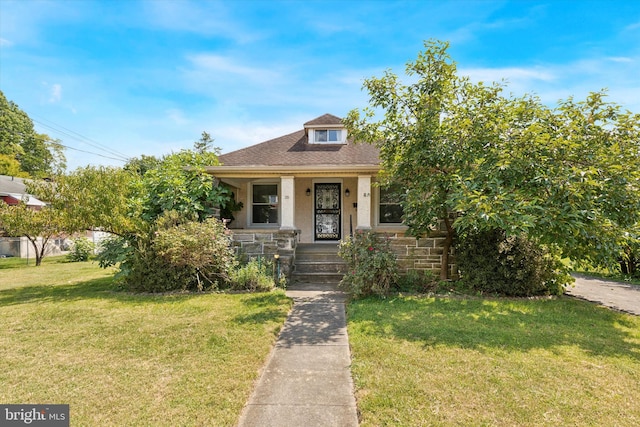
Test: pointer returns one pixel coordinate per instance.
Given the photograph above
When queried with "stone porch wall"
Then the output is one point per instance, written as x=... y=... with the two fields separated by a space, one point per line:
x=421 y=254
x=265 y=244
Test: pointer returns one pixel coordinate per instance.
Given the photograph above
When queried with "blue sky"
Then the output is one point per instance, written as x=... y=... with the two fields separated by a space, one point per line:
x=122 y=78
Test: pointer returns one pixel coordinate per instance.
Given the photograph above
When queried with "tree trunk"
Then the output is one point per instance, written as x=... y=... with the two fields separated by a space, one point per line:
x=38 y=252
x=444 y=263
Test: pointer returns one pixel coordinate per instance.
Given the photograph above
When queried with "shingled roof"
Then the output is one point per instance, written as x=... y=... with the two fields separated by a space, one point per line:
x=294 y=150
x=324 y=120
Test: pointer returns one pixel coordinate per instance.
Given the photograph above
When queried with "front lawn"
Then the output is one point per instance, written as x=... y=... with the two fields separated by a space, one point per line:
x=120 y=359
x=466 y=361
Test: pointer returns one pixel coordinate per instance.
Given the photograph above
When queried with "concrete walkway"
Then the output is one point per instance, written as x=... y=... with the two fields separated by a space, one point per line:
x=307 y=380
x=616 y=295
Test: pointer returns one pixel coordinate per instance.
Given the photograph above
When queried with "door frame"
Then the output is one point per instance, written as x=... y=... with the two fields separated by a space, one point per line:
x=341 y=208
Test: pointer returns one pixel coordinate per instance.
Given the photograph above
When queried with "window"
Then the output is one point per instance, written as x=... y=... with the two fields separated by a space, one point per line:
x=390 y=208
x=265 y=204
x=328 y=136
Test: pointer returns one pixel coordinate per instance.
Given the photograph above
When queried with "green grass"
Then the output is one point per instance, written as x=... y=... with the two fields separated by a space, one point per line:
x=68 y=336
x=465 y=361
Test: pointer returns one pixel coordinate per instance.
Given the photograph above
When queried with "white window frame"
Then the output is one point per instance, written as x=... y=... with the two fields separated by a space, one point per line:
x=342 y=139
x=378 y=203
x=252 y=223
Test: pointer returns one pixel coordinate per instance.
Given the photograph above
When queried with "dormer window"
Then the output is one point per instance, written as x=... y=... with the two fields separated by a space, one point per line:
x=329 y=136
x=326 y=129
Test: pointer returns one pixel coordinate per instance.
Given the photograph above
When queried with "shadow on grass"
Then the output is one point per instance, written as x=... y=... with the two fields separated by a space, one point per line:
x=15 y=262
x=264 y=307
x=509 y=325
x=104 y=289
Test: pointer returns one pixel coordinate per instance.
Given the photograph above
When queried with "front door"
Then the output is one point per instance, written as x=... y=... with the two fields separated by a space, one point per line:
x=327 y=212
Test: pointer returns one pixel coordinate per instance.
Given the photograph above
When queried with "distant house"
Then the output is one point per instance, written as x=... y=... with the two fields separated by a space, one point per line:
x=13 y=191
x=316 y=186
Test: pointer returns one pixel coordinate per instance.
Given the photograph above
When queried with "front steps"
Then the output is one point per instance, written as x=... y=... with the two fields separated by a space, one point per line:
x=317 y=263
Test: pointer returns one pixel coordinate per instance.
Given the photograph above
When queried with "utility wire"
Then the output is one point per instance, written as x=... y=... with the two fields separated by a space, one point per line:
x=95 y=154
x=83 y=139
x=73 y=148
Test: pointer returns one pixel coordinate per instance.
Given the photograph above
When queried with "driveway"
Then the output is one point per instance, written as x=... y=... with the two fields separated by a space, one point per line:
x=616 y=295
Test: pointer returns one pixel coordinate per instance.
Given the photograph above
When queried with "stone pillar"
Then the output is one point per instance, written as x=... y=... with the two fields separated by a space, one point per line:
x=364 y=202
x=288 y=205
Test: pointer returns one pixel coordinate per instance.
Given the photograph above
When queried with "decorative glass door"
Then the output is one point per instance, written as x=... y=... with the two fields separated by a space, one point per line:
x=327 y=212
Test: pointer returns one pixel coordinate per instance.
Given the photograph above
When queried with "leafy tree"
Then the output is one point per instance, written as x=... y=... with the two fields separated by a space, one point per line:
x=180 y=183
x=168 y=238
x=142 y=164
x=15 y=126
x=11 y=167
x=204 y=144
x=476 y=160
x=42 y=156
x=38 y=226
x=91 y=198
x=37 y=154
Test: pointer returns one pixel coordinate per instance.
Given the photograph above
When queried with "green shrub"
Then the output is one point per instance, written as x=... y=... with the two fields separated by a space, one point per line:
x=174 y=254
x=372 y=268
x=253 y=276
x=81 y=250
x=200 y=250
x=490 y=262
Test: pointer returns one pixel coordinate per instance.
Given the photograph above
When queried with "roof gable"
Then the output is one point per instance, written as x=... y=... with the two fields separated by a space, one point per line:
x=324 y=120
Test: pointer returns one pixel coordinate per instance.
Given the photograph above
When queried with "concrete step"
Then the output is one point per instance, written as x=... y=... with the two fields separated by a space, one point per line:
x=318 y=257
x=327 y=278
x=319 y=267
x=318 y=263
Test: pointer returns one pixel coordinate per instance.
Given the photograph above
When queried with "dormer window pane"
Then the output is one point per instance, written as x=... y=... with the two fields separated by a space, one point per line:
x=321 y=136
x=327 y=136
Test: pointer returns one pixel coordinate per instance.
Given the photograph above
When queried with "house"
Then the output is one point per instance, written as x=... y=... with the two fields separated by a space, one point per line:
x=315 y=186
x=13 y=191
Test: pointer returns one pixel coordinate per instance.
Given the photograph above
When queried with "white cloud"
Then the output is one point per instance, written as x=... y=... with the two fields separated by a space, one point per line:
x=55 y=93
x=5 y=43
x=633 y=26
x=177 y=116
x=206 y=18
x=216 y=65
x=620 y=59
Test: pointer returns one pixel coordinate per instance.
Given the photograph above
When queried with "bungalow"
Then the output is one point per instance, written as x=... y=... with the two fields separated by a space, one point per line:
x=315 y=186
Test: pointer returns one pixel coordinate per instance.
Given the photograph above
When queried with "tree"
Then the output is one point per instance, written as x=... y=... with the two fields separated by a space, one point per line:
x=474 y=159
x=38 y=226
x=421 y=147
x=180 y=183
x=15 y=126
x=42 y=157
x=204 y=144
x=11 y=167
x=142 y=164
x=37 y=154
x=91 y=198
x=169 y=216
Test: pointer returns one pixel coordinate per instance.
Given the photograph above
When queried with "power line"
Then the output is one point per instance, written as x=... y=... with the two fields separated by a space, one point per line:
x=71 y=148
x=83 y=139
x=95 y=154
